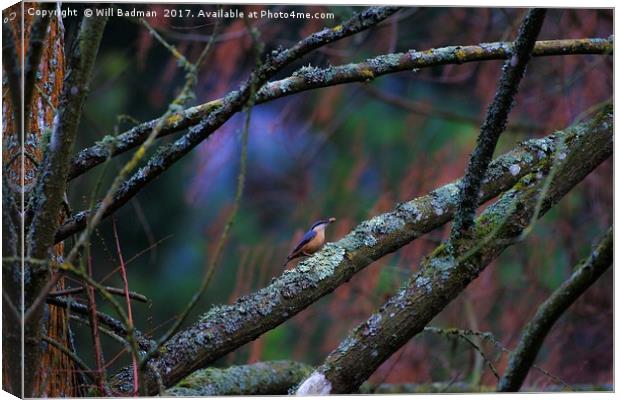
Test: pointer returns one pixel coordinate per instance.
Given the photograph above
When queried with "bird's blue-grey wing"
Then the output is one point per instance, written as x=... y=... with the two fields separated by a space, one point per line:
x=307 y=237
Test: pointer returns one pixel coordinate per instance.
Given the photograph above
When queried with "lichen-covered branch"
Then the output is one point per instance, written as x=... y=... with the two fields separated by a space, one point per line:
x=309 y=78
x=261 y=378
x=225 y=328
x=231 y=104
x=50 y=188
x=52 y=179
x=495 y=122
x=442 y=277
x=586 y=273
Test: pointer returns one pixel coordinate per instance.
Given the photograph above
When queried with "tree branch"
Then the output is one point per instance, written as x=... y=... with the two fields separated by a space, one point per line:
x=226 y=328
x=51 y=185
x=231 y=104
x=52 y=179
x=310 y=78
x=113 y=290
x=116 y=326
x=533 y=336
x=495 y=123
x=72 y=355
x=442 y=277
x=261 y=378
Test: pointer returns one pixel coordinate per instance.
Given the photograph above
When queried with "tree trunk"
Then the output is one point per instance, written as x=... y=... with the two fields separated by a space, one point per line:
x=57 y=373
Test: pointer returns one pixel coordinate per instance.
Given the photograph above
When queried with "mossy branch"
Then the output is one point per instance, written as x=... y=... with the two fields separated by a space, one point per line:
x=535 y=332
x=309 y=78
x=495 y=123
x=261 y=378
x=442 y=277
x=225 y=328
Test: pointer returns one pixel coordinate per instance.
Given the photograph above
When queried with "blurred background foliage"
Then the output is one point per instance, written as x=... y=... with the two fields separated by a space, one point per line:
x=352 y=152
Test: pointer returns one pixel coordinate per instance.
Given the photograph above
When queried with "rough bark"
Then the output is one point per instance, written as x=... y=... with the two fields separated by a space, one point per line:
x=261 y=378
x=225 y=328
x=495 y=121
x=44 y=74
x=534 y=334
x=441 y=277
x=46 y=370
x=11 y=201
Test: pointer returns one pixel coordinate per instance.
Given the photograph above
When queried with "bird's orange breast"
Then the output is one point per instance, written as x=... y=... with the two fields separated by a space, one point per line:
x=316 y=242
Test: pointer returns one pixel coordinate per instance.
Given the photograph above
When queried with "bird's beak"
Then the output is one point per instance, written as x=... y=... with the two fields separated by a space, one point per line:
x=332 y=219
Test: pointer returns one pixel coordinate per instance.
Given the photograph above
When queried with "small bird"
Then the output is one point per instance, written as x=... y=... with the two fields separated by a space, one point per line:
x=312 y=241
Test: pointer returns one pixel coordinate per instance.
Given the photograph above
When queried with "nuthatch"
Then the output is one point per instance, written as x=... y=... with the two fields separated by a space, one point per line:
x=312 y=241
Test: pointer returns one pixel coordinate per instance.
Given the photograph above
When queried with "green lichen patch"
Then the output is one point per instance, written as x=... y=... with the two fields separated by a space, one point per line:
x=323 y=264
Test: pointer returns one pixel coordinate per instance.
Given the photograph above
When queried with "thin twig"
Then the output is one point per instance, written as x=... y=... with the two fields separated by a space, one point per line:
x=94 y=329
x=76 y=359
x=134 y=359
x=231 y=218
x=115 y=325
x=113 y=290
x=137 y=255
x=459 y=333
x=535 y=332
x=489 y=337
x=110 y=333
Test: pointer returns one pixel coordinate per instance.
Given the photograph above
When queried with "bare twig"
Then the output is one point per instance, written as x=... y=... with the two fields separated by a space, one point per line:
x=488 y=337
x=110 y=333
x=459 y=334
x=589 y=270
x=113 y=290
x=94 y=329
x=429 y=111
x=134 y=355
x=115 y=325
x=231 y=218
x=76 y=359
